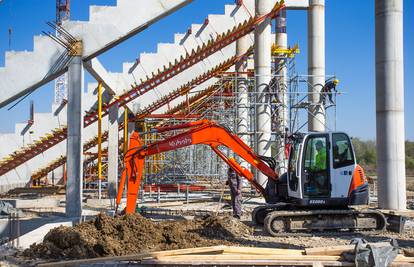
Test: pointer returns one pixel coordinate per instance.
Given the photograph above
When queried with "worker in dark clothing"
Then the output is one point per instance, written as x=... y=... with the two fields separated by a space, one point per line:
x=235 y=183
x=328 y=90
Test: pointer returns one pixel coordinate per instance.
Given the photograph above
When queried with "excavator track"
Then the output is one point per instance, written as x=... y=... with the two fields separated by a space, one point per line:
x=278 y=220
x=322 y=220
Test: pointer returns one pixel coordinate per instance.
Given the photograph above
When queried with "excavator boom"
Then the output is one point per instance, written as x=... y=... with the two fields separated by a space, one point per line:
x=199 y=132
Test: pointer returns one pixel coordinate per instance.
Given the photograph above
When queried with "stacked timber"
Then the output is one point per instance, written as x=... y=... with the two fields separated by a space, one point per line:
x=228 y=255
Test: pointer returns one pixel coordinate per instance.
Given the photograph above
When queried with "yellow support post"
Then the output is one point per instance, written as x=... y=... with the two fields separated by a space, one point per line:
x=99 y=139
x=125 y=130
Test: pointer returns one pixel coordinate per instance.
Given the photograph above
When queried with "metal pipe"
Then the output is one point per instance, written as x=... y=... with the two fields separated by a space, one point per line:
x=316 y=64
x=99 y=139
x=262 y=62
x=74 y=140
x=389 y=74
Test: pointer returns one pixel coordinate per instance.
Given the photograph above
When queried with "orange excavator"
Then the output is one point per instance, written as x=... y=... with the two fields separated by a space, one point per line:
x=321 y=184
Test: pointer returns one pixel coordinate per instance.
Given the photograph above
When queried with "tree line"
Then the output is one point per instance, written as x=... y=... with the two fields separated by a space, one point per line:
x=366 y=155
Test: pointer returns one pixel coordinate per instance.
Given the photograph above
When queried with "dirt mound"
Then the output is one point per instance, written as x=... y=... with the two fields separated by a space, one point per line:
x=224 y=227
x=107 y=236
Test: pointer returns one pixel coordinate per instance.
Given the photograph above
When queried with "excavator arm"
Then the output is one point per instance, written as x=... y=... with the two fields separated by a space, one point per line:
x=200 y=132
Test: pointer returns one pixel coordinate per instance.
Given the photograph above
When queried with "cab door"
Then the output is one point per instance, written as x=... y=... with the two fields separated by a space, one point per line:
x=343 y=165
x=294 y=184
x=315 y=166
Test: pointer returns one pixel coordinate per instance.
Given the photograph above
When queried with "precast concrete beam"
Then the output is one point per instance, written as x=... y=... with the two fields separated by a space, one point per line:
x=108 y=26
x=262 y=62
x=316 y=64
x=389 y=80
x=98 y=71
x=184 y=44
x=296 y=4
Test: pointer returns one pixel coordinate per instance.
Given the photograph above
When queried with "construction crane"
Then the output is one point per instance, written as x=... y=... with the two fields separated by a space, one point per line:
x=323 y=179
x=62 y=14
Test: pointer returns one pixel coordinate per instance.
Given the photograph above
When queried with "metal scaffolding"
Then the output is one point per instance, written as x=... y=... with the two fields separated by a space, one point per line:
x=198 y=164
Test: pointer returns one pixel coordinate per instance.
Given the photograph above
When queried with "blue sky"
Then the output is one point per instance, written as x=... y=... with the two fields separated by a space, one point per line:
x=349 y=51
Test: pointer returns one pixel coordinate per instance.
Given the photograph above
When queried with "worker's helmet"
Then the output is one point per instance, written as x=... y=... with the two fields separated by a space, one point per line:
x=319 y=144
x=335 y=81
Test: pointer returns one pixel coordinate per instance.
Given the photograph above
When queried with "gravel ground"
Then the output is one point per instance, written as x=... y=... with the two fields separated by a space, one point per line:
x=292 y=241
x=260 y=239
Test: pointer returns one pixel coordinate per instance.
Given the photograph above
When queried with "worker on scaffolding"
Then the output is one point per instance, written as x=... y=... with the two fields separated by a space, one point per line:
x=328 y=90
x=235 y=183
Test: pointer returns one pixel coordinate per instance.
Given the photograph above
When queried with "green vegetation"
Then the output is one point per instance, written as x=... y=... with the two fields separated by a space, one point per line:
x=367 y=156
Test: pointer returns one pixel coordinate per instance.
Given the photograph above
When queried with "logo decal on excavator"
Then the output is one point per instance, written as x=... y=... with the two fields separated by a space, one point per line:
x=180 y=142
x=317 y=201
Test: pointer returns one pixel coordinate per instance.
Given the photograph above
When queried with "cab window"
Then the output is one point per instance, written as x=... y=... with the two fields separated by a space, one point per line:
x=316 y=167
x=315 y=158
x=342 y=151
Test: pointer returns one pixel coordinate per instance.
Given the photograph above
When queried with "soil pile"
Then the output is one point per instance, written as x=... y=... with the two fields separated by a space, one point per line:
x=107 y=236
x=224 y=227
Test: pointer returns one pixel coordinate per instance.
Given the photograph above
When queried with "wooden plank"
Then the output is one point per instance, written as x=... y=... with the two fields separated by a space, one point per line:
x=247 y=257
x=94 y=260
x=135 y=257
x=337 y=250
x=263 y=251
x=245 y=262
x=189 y=251
x=400 y=264
x=406 y=213
x=402 y=258
x=231 y=256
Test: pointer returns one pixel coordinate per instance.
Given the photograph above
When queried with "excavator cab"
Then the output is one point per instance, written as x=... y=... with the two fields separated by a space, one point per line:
x=322 y=184
x=322 y=171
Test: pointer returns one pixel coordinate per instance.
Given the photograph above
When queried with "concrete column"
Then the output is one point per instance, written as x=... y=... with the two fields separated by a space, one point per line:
x=316 y=64
x=113 y=150
x=389 y=74
x=262 y=64
x=281 y=116
x=74 y=140
x=131 y=129
x=242 y=45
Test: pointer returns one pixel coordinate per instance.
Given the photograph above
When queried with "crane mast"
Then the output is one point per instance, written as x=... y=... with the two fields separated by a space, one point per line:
x=62 y=14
